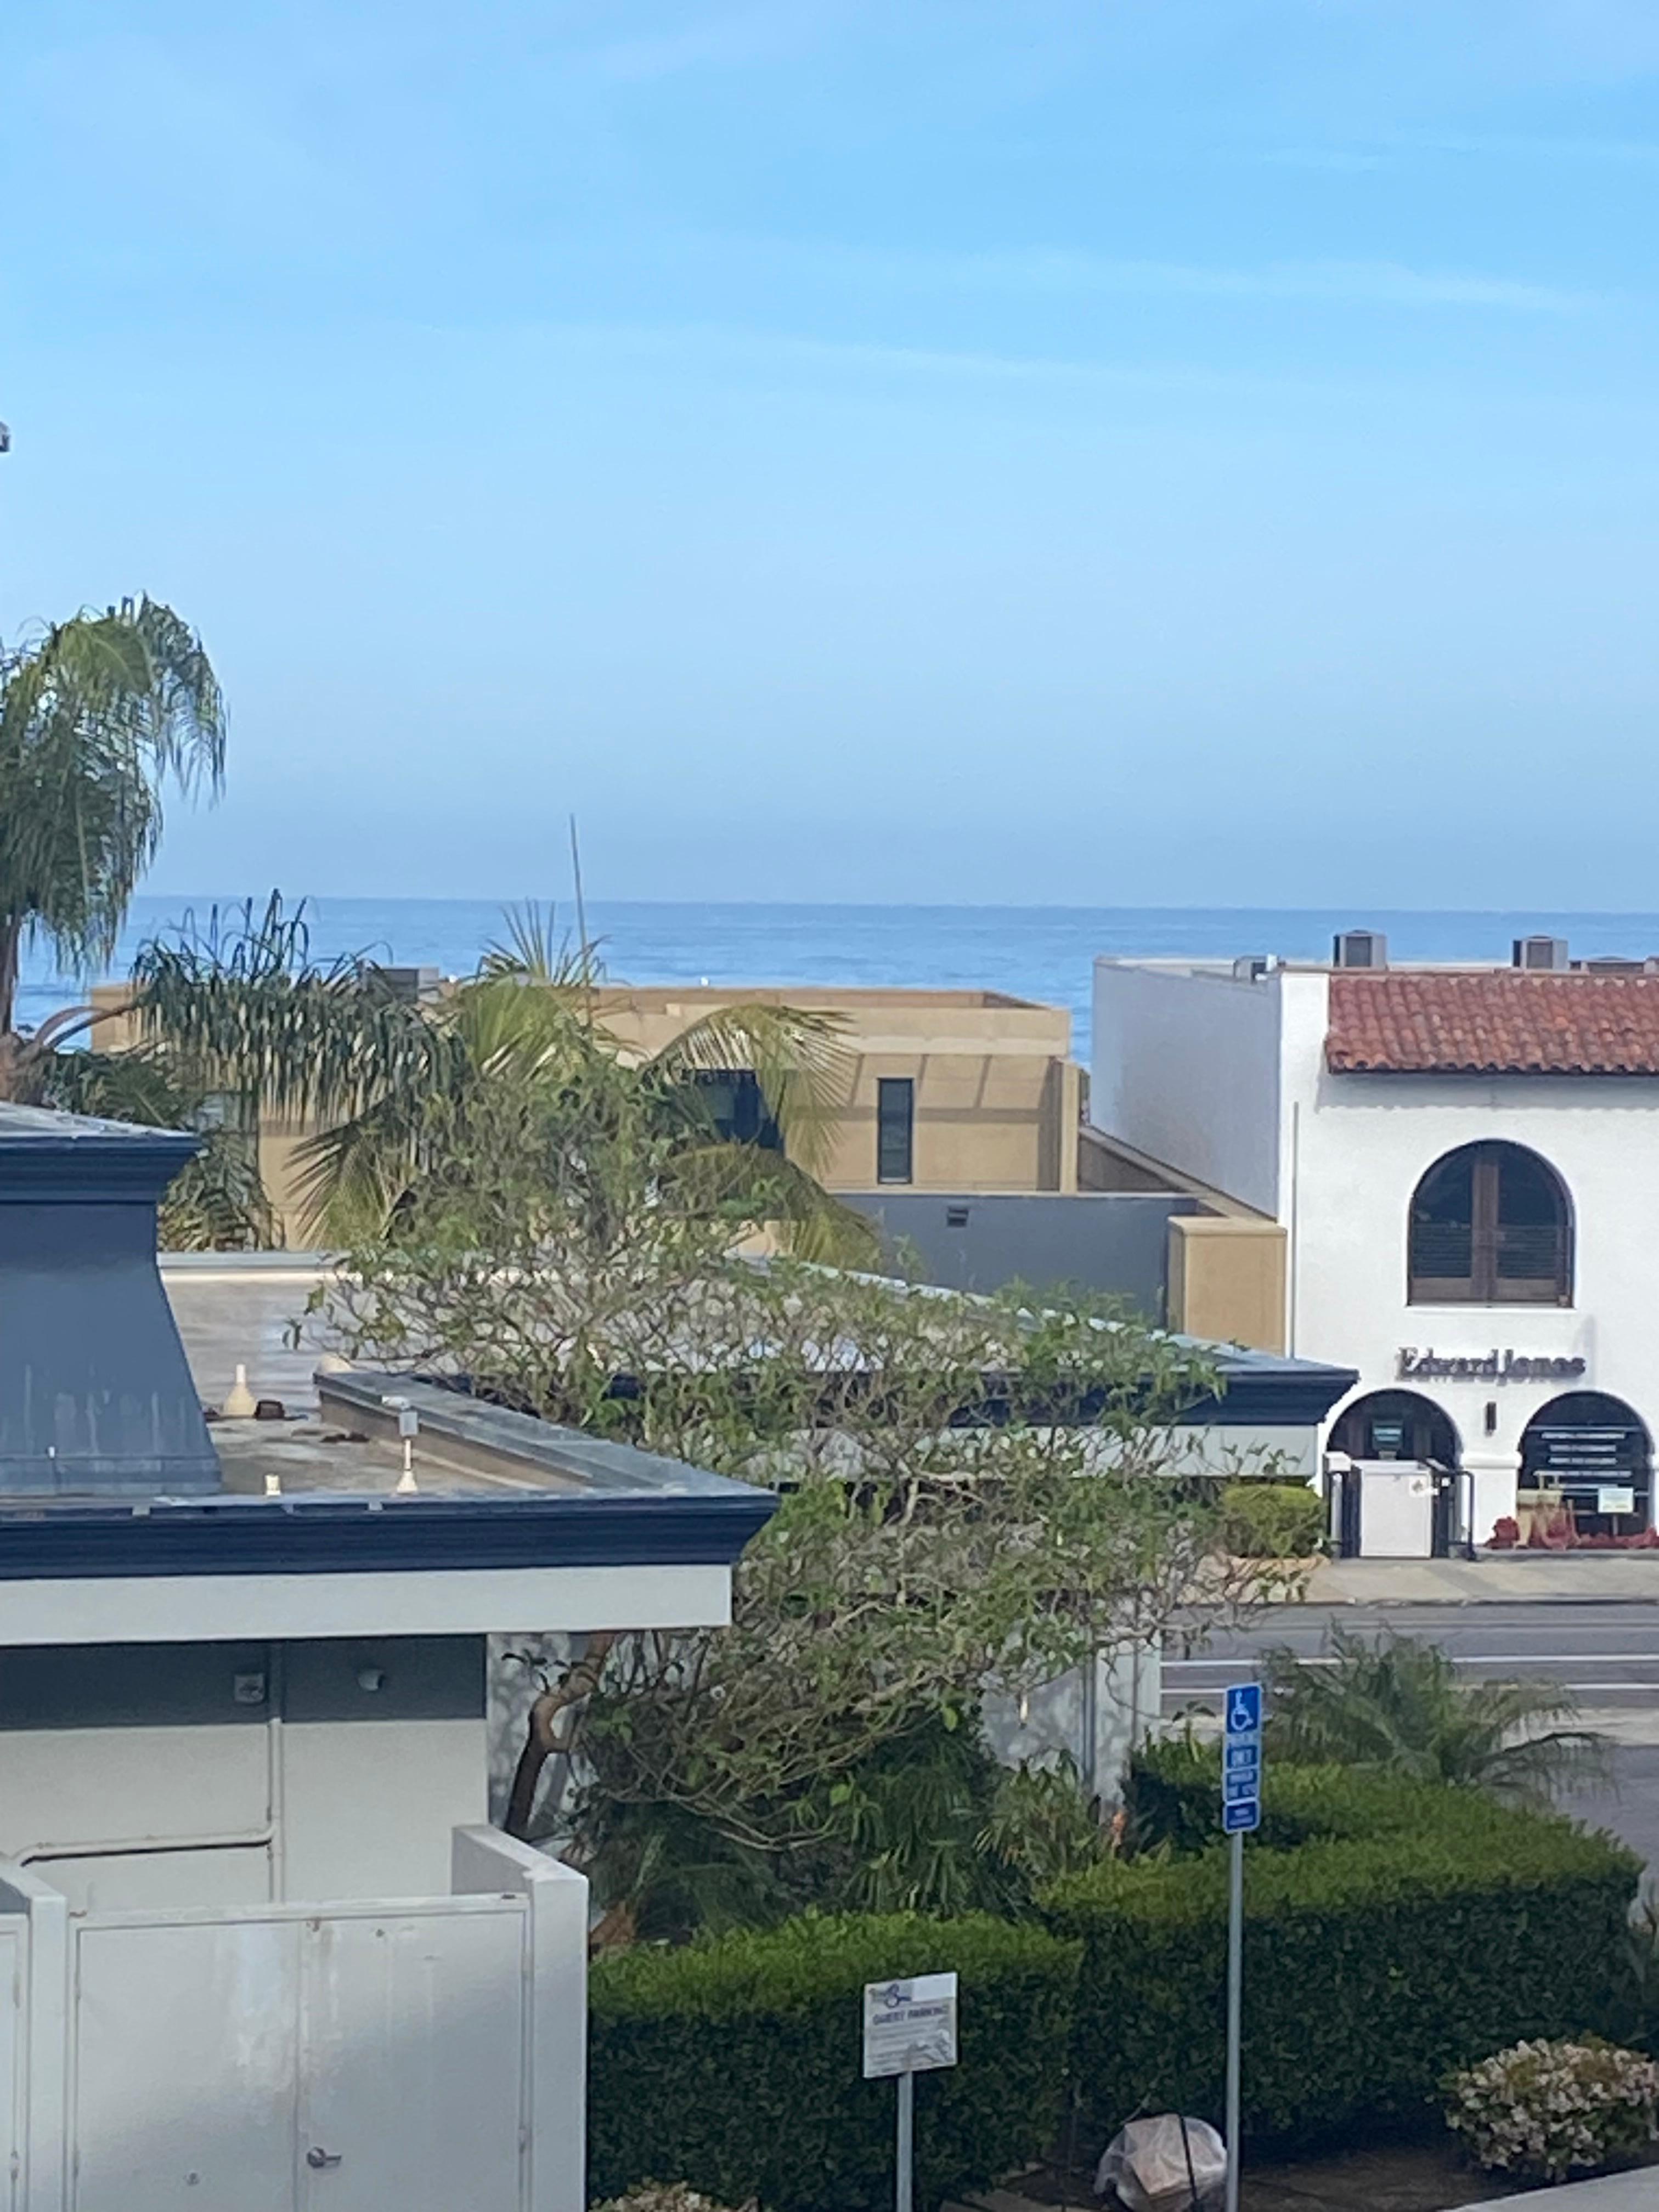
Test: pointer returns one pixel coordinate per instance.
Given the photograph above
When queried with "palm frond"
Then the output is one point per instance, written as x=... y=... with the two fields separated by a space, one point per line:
x=96 y=714
x=242 y=999
x=533 y=954
x=535 y=1025
x=759 y=1189
x=799 y=1057
x=353 y=1176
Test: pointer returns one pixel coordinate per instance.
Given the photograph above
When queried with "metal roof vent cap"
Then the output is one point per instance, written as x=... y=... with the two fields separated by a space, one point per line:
x=1359 y=948
x=96 y=1396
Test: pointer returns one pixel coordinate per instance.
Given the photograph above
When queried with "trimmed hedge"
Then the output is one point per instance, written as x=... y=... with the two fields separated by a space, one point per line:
x=735 y=2063
x=1264 y=1520
x=1392 y=1933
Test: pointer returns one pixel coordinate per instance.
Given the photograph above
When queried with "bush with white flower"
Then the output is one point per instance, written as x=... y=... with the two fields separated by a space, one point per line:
x=1545 y=2111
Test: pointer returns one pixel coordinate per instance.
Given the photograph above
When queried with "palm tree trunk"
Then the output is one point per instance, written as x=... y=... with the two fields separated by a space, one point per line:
x=11 y=1045
x=11 y=943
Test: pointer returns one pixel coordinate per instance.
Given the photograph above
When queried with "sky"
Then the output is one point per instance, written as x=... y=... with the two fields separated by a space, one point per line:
x=1006 y=450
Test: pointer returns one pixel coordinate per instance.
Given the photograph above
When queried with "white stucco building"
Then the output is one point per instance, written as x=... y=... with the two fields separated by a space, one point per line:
x=1461 y=1161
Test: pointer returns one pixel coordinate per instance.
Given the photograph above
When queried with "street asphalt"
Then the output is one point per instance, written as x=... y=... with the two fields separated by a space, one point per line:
x=1607 y=1656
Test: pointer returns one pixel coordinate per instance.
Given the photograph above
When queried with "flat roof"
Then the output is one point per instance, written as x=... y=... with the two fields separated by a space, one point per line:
x=815 y=997
x=233 y=1308
x=491 y=1489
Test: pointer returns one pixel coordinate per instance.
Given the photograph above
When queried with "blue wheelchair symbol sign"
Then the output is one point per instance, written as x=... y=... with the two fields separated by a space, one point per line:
x=1244 y=1709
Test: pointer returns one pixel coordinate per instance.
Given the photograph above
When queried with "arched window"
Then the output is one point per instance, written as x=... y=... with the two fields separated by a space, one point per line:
x=1396 y=1425
x=1491 y=1226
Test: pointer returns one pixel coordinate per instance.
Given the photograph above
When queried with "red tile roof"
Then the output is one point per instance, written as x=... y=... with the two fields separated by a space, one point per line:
x=1401 y=1023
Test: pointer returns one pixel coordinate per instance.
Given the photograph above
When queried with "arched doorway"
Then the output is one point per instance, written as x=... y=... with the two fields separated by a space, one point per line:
x=1591 y=1455
x=1396 y=1425
x=1424 y=1513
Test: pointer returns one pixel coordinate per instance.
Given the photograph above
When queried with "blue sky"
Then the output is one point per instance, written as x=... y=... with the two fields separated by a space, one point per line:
x=1139 y=451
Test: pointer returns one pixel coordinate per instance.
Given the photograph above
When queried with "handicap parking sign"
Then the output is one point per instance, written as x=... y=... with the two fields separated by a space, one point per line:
x=1244 y=1709
x=1241 y=1760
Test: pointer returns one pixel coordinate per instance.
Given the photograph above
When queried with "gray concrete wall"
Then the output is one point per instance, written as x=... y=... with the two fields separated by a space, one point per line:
x=1116 y=1241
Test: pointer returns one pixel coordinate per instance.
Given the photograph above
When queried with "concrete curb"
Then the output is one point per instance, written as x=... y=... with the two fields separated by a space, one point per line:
x=1608 y=1579
x=1614 y=2192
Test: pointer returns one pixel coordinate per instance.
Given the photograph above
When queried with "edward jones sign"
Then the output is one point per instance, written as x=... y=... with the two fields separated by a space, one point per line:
x=1414 y=1367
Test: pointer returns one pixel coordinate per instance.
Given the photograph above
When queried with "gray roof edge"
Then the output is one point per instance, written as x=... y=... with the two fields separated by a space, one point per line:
x=69 y=1158
x=596 y=1463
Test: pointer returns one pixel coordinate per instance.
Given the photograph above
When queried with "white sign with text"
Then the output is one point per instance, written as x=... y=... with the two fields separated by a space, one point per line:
x=909 y=2026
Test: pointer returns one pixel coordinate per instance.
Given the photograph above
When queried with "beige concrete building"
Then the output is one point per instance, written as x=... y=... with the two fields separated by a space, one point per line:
x=957 y=1091
x=961 y=1128
x=942 y=1090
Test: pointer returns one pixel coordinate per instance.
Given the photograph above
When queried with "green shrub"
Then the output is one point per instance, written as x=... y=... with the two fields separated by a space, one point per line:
x=1543 y=2110
x=1273 y=1520
x=1172 y=1796
x=1393 y=1932
x=736 y=2064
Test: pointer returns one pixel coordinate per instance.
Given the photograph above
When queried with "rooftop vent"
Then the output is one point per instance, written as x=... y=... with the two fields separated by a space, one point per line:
x=95 y=1392
x=1545 y=954
x=1251 y=967
x=1613 y=963
x=1359 y=948
x=411 y=984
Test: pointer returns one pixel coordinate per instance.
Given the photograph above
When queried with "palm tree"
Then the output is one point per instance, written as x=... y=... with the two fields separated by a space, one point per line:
x=97 y=714
x=1397 y=1704
x=381 y=1077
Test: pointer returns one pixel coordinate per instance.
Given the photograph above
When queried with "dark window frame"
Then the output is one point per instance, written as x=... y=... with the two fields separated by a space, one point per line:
x=747 y=1118
x=896 y=1128
x=1492 y=1239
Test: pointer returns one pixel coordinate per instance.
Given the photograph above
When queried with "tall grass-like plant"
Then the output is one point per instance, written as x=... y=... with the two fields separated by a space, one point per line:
x=1397 y=1703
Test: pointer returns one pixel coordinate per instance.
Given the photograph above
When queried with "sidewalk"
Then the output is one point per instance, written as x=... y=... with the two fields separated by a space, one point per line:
x=1619 y=2193
x=1494 y=1578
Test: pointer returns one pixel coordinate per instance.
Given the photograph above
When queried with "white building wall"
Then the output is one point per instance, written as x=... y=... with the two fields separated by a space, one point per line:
x=1227 y=1081
x=1362 y=1143
x=1186 y=1066
x=137 y=1818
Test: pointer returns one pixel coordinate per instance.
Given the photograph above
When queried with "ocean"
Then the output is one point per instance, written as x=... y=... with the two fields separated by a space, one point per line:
x=1031 y=952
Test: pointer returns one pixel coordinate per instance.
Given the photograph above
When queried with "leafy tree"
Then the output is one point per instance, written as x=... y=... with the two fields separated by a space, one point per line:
x=97 y=715
x=1397 y=1703
x=977 y=1495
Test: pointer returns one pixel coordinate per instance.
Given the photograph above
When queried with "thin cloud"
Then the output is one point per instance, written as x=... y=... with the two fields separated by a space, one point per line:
x=1065 y=270
x=1632 y=152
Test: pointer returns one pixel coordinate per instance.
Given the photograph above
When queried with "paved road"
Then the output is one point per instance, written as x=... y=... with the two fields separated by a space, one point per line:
x=1607 y=1655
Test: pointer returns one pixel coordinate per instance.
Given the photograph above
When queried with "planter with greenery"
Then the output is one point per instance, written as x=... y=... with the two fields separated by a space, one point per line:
x=1265 y=1520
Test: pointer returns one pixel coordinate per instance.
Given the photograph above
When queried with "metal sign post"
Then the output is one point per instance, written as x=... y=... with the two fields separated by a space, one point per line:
x=908 y=2028
x=1241 y=1811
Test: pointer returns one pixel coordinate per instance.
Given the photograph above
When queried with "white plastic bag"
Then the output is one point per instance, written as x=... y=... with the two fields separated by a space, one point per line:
x=1164 y=2164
